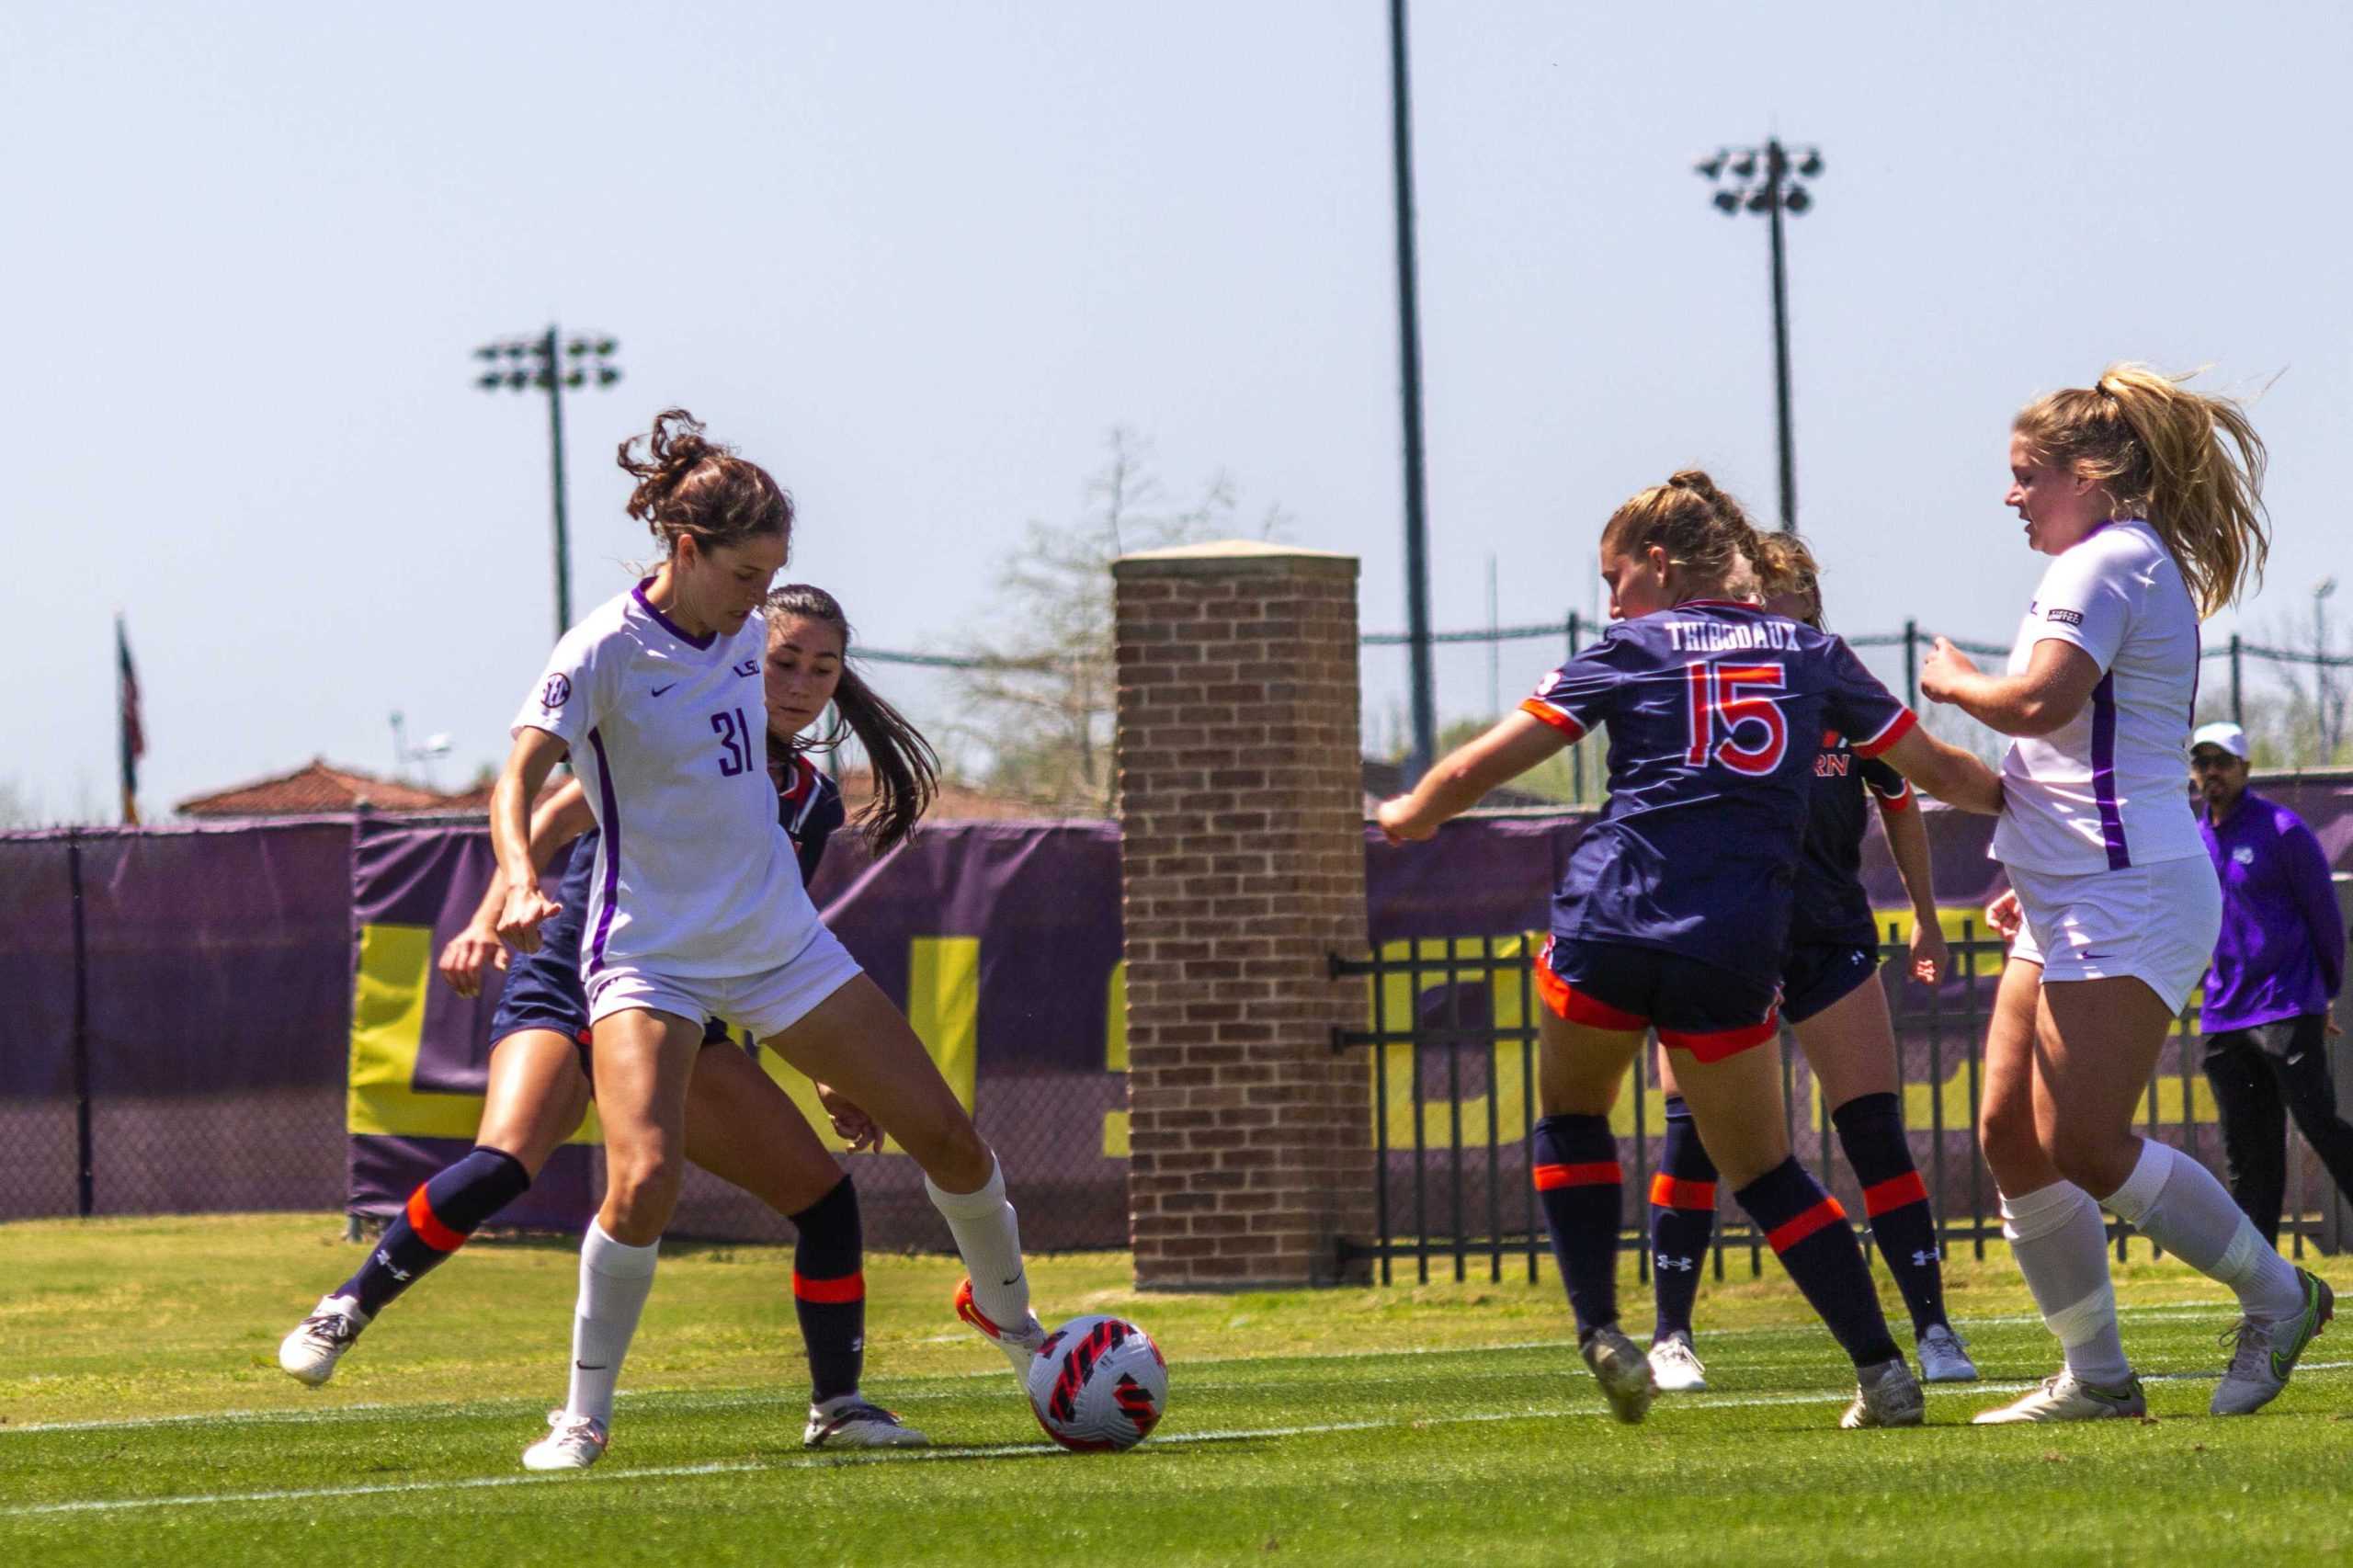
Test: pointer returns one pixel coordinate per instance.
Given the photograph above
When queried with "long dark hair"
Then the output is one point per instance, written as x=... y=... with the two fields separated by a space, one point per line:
x=906 y=770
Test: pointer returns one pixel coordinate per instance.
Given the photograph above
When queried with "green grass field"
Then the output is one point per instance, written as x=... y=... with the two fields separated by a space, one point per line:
x=143 y=1419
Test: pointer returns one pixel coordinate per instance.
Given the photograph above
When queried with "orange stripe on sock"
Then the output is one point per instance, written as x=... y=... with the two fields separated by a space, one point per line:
x=1595 y=1173
x=830 y=1292
x=1788 y=1233
x=1895 y=1192
x=1669 y=1192
x=429 y=1226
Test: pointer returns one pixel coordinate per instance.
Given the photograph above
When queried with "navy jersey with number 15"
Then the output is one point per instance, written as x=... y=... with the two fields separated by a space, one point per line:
x=1714 y=710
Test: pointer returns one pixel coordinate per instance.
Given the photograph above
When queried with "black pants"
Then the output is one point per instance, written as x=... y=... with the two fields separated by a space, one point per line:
x=2261 y=1076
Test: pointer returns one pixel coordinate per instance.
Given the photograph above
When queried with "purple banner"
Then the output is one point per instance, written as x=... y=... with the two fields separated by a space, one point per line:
x=259 y=1028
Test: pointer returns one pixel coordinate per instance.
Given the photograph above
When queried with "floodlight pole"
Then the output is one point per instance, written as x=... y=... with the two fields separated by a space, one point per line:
x=555 y=459
x=1777 y=167
x=1772 y=194
x=1409 y=355
x=590 y=365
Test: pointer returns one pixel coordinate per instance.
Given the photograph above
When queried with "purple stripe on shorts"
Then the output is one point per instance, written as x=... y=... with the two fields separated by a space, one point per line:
x=672 y=627
x=608 y=847
x=2111 y=821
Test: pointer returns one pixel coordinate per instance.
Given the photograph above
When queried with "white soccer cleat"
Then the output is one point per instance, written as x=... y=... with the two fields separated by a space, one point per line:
x=1944 y=1357
x=854 y=1424
x=2066 y=1398
x=1675 y=1366
x=1624 y=1372
x=1885 y=1395
x=1019 y=1347
x=573 y=1442
x=2264 y=1354
x=319 y=1341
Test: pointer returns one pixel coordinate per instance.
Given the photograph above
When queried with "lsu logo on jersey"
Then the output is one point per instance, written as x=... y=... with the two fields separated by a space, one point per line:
x=555 y=693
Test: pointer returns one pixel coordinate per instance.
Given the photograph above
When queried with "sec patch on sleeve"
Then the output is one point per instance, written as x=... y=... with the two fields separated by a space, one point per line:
x=555 y=692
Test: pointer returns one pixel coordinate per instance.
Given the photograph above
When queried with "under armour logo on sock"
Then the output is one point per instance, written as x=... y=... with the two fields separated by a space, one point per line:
x=1922 y=1259
x=1686 y=1264
x=398 y=1273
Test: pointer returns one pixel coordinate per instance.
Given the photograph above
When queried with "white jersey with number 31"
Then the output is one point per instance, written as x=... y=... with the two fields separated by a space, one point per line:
x=2108 y=788
x=694 y=877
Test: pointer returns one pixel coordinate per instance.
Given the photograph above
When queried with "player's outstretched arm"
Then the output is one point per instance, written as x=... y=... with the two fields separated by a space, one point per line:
x=1907 y=844
x=1463 y=777
x=1946 y=771
x=2057 y=682
x=535 y=754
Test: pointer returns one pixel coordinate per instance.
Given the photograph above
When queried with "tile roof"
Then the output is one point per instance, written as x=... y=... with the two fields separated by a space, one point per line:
x=316 y=785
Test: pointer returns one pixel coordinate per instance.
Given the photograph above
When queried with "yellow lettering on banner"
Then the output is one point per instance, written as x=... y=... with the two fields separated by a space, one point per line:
x=1115 y=1059
x=387 y=1034
x=943 y=1007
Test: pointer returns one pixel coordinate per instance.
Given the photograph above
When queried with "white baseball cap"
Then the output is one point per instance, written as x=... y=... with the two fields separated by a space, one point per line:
x=2227 y=735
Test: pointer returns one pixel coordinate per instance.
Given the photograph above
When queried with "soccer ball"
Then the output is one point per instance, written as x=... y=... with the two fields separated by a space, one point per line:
x=1099 y=1384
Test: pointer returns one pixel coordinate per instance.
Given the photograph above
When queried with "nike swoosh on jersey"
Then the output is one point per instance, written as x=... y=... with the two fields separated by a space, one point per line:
x=660 y=690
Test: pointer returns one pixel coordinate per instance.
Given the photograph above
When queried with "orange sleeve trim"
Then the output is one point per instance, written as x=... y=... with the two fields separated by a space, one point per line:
x=1895 y=1192
x=830 y=1292
x=429 y=1226
x=1788 y=1233
x=1536 y=708
x=1902 y=724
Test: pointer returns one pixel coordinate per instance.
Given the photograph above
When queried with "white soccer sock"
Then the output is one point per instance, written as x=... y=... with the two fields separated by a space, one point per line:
x=2061 y=1244
x=989 y=1238
x=615 y=1280
x=2177 y=1203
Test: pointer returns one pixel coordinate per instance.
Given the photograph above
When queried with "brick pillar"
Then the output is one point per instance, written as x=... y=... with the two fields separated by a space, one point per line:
x=1241 y=871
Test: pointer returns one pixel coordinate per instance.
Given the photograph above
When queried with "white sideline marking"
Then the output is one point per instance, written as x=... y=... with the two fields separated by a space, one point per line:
x=685 y=1399
x=1020 y=1450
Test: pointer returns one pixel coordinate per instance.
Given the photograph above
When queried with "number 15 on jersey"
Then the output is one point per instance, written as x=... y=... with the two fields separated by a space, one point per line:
x=1729 y=723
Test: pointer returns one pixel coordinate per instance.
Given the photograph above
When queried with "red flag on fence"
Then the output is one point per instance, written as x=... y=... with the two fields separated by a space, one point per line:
x=133 y=739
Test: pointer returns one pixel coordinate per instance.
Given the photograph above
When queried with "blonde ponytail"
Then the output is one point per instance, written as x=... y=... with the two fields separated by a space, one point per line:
x=2189 y=463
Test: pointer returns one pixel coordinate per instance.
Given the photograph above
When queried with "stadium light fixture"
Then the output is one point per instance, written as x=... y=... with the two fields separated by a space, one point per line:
x=552 y=363
x=1766 y=179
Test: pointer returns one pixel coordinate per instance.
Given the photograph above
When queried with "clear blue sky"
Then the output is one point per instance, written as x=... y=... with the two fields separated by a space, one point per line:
x=918 y=258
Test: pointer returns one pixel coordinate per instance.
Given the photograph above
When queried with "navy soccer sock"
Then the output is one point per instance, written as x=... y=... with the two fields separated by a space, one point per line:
x=1809 y=1231
x=1683 y=1220
x=1870 y=1128
x=829 y=1291
x=441 y=1215
x=1575 y=1163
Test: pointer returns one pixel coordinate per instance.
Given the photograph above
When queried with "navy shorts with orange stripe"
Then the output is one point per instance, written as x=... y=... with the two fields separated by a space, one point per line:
x=1700 y=1007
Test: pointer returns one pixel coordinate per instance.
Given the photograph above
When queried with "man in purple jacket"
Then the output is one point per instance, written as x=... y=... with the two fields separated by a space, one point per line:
x=2277 y=966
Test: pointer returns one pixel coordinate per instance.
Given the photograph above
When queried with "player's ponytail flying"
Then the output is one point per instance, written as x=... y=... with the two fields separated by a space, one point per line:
x=688 y=485
x=906 y=770
x=2190 y=464
x=1785 y=567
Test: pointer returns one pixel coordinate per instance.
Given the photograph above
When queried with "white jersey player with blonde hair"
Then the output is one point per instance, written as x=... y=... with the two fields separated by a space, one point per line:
x=2149 y=498
x=657 y=699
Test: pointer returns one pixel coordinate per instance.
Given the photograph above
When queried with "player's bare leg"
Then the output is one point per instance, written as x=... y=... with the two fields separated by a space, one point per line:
x=643 y=1061
x=857 y=1043
x=742 y=1128
x=536 y=1099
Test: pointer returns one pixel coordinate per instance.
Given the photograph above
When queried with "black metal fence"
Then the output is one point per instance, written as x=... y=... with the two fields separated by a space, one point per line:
x=1452 y=1047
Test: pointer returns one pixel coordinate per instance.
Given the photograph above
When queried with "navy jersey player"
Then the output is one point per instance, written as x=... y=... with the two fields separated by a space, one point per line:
x=740 y=1125
x=1673 y=909
x=1843 y=1025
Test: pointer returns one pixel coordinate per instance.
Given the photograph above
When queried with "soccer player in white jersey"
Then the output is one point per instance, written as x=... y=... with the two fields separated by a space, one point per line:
x=2149 y=498
x=696 y=910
